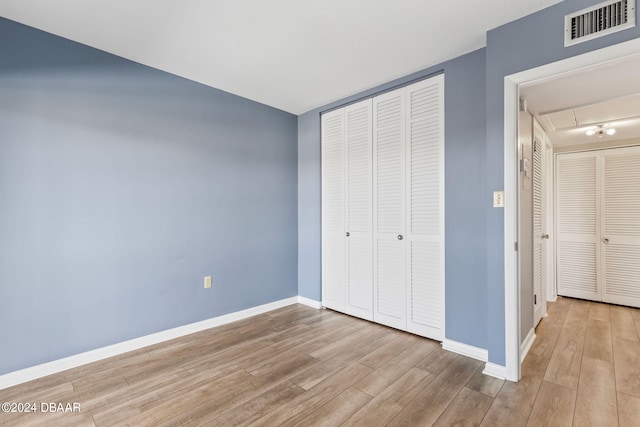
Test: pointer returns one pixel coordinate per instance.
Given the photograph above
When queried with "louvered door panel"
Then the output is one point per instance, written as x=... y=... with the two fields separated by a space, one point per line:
x=577 y=269
x=390 y=308
x=359 y=210
x=621 y=226
x=389 y=209
x=577 y=225
x=426 y=297
x=333 y=211
x=538 y=241
x=389 y=135
x=425 y=206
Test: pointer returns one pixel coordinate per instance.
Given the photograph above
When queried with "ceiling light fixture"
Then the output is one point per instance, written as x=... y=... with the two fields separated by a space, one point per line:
x=601 y=130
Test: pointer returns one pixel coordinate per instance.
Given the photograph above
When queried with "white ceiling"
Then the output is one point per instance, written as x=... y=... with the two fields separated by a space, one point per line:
x=291 y=54
x=568 y=105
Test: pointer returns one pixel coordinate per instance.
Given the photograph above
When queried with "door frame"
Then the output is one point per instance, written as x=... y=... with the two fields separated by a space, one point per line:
x=511 y=108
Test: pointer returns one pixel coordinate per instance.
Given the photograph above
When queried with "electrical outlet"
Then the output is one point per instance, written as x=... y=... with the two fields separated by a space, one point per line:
x=498 y=199
x=207 y=282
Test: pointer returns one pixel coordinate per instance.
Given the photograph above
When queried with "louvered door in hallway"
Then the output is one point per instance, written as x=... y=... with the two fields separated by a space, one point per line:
x=598 y=223
x=620 y=233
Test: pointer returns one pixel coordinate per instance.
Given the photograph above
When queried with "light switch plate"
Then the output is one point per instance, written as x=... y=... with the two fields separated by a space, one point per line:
x=498 y=199
x=207 y=282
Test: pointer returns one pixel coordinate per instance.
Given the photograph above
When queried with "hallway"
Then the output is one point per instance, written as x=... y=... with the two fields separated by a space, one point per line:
x=583 y=370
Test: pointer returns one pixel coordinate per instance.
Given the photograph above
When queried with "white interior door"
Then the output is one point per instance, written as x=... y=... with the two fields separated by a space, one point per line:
x=333 y=211
x=389 y=209
x=620 y=235
x=577 y=225
x=540 y=236
x=425 y=207
x=359 y=298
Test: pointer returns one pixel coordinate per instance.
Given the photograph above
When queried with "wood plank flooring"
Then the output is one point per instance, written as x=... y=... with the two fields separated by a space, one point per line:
x=300 y=366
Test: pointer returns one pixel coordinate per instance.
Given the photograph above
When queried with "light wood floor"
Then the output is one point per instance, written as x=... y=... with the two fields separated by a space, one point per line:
x=300 y=366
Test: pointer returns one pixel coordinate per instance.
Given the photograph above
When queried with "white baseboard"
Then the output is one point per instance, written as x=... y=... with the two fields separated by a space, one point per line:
x=310 y=302
x=526 y=345
x=34 y=372
x=496 y=371
x=466 y=350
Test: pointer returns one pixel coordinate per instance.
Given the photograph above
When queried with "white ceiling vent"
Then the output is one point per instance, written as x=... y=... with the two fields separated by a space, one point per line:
x=599 y=20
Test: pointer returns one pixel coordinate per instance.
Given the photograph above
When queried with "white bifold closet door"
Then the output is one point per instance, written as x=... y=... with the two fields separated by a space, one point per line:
x=334 y=249
x=359 y=220
x=390 y=305
x=598 y=199
x=347 y=210
x=425 y=208
x=408 y=142
x=383 y=208
x=620 y=234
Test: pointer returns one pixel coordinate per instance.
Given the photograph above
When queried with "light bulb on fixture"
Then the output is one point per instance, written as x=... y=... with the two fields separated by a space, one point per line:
x=601 y=130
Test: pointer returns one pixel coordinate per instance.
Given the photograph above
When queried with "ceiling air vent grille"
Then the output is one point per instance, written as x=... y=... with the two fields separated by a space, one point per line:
x=599 y=20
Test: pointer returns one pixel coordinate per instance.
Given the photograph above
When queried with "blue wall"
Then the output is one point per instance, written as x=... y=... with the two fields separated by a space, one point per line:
x=309 y=207
x=465 y=196
x=532 y=41
x=121 y=187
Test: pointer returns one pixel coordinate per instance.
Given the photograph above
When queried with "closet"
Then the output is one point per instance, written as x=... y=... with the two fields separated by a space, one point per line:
x=383 y=208
x=598 y=225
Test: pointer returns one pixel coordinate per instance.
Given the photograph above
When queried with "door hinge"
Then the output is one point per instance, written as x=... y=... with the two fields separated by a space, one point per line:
x=535 y=299
x=515 y=246
x=523 y=104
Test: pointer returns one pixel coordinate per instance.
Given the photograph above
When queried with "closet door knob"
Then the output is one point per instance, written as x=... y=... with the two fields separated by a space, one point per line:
x=400 y=237
x=347 y=234
x=605 y=240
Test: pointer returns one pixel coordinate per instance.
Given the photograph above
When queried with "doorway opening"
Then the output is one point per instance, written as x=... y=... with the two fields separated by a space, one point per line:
x=515 y=305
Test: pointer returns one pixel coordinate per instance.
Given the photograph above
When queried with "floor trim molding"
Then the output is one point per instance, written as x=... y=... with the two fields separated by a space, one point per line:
x=526 y=345
x=466 y=350
x=310 y=302
x=38 y=371
x=496 y=371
